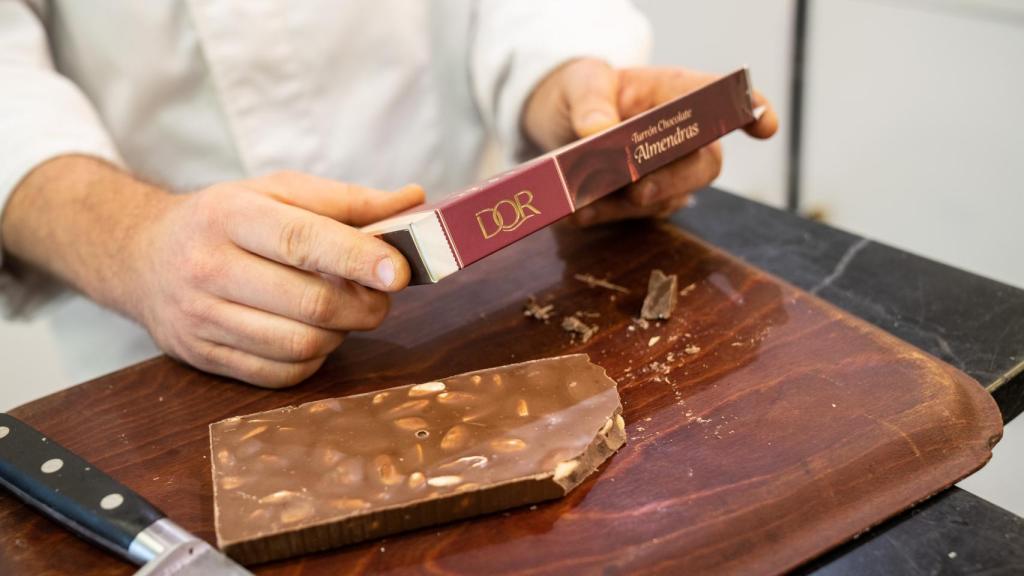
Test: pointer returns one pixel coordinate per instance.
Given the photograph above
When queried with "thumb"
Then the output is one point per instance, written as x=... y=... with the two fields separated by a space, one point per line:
x=592 y=96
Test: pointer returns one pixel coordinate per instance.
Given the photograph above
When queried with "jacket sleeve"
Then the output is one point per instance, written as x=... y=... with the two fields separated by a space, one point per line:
x=42 y=115
x=515 y=44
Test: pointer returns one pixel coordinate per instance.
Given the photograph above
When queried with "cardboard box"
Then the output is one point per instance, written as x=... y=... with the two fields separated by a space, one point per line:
x=446 y=236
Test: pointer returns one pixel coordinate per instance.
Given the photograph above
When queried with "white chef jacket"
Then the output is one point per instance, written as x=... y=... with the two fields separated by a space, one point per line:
x=186 y=94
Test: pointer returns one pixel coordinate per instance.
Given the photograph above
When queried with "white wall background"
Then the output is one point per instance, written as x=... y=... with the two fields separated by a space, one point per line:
x=914 y=131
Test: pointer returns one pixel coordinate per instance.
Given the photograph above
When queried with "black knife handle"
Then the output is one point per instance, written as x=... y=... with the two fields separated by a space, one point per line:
x=70 y=490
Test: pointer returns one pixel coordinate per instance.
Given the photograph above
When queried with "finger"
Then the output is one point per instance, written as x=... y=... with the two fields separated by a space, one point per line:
x=768 y=123
x=680 y=178
x=591 y=94
x=644 y=88
x=267 y=335
x=301 y=239
x=672 y=205
x=610 y=208
x=302 y=296
x=344 y=202
x=227 y=361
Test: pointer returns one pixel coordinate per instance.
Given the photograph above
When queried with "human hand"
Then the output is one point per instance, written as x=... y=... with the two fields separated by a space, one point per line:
x=261 y=279
x=586 y=96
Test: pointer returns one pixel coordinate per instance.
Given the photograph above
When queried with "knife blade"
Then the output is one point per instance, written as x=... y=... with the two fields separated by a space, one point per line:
x=194 y=558
x=98 y=508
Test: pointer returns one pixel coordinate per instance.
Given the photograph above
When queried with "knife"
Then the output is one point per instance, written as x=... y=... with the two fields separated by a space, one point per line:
x=99 y=509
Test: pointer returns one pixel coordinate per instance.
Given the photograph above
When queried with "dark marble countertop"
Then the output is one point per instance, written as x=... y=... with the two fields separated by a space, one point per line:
x=974 y=323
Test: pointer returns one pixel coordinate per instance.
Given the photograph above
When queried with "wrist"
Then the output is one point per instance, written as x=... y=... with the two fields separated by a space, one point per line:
x=133 y=247
x=83 y=221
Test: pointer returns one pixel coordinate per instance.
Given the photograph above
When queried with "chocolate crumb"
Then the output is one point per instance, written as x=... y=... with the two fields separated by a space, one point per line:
x=534 y=310
x=576 y=326
x=641 y=323
x=660 y=301
x=595 y=282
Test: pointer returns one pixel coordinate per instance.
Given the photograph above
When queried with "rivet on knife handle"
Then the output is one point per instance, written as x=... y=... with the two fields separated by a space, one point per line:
x=70 y=490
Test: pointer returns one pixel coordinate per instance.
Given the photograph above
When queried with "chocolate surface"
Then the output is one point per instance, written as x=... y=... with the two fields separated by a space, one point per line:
x=341 y=470
x=662 y=295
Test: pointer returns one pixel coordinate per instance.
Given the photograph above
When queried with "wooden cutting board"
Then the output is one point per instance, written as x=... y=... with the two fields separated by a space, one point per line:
x=765 y=426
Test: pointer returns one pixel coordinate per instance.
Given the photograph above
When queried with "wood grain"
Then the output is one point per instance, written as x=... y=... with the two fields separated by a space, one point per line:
x=788 y=428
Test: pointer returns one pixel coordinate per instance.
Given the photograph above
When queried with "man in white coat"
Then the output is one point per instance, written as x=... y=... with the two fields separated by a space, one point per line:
x=191 y=176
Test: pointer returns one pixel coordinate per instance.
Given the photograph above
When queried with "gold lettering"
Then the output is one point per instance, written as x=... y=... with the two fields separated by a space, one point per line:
x=524 y=206
x=647 y=150
x=483 y=227
x=520 y=208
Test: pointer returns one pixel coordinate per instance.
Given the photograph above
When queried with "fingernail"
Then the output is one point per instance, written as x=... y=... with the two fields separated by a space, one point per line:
x=385 y=272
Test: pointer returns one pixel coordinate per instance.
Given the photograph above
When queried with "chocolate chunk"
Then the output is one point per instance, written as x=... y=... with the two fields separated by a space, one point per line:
x=343 y=470
x=662 y=294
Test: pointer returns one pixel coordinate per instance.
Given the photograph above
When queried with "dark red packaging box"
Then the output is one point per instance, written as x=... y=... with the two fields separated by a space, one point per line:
x=449 y=235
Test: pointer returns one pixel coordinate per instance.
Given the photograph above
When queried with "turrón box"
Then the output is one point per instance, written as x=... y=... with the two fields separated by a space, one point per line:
x=444 y=237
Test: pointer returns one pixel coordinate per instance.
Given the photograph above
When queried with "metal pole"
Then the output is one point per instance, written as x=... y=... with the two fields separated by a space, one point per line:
x=796 y=103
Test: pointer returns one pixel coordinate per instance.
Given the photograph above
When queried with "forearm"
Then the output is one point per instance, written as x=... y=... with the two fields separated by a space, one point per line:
x=81 y=220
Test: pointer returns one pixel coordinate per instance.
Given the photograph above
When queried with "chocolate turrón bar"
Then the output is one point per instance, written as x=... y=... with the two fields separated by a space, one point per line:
x=444 y=237
x=343 y=470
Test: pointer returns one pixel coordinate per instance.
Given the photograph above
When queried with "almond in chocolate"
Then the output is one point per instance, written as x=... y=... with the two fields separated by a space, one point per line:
x=343 y=470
